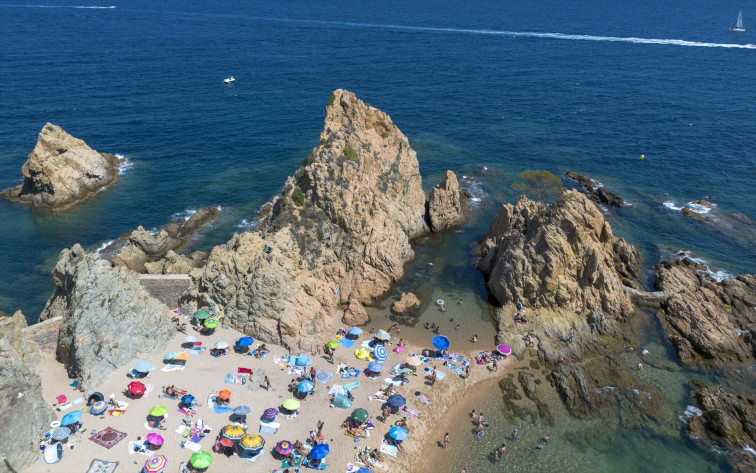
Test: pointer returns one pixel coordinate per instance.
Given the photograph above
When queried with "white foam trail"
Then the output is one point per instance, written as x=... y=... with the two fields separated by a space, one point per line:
x=105 y=245
x=185 y=214
x=718 y=276
x=698 y=208
x=125 y=164
x=690 y=411
x=521 y=34
x=750 y=450
x=95 y=7
x=671 y=205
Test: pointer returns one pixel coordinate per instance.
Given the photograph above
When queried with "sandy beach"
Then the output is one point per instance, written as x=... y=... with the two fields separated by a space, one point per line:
x=205 y=374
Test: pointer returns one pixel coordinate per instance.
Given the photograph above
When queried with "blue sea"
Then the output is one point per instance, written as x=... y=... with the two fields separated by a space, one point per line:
x=486 y=88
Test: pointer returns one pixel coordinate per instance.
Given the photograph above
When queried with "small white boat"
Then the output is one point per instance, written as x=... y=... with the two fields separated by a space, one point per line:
x=738 y=28
x=229 y=80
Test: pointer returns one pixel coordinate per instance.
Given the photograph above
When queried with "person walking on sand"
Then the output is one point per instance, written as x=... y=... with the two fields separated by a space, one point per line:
x=266 y=382
x=320 y=426
x=447 y=441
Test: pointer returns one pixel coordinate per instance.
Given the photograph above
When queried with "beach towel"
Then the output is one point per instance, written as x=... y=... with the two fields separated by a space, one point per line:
x=77 y=401
x=211 y=399
x=455 y=368
x=138 y=447
x=147 y=390
x=167 y=368
x=108 y=437
x=351 y=468
x=116 y=412
x=353 y=385
x=222 y=409
x=354 y=373
x=400 y=349
x=422 y=398
x=193 y=446
x=61 y=399
x=409 y=411
x=269 y=428
x=336 y=389
x=242 y=370
x=235 y=379
x=64 y=407
x=254 y=459
x=439 y=374
x=345 y=342
x=392 y=381
x=323 y=376
x=102 y=466
x=388 y=449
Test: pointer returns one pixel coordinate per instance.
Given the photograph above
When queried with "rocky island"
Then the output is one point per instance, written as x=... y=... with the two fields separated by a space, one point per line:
x=62 y=171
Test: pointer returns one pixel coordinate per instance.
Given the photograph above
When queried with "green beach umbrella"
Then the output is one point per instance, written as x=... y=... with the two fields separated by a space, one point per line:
x=201 y=314
x=201 y=459
x=360 y=415
x=332 y=344
x=158 y=411
x=211 y=323
x=291 y=404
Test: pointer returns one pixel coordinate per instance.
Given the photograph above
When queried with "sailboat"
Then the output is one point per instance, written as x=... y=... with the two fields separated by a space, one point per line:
x=738 y=28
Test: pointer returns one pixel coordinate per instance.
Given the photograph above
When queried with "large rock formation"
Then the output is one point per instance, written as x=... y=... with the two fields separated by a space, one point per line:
x=727 y=419
x=23 y=412
x=339 y=233
x=138 y=248
x=406 y=302
x=108 y=317
x=708 y=322
x=444 y=205
x=596 y=191
x=561 y=256
x=62 y=171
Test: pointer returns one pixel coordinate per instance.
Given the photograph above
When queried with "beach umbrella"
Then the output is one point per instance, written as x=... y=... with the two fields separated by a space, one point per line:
x=71 y=418
x=226 y=442
x=171 y=355
x=303 y=360
x=201 y=314
x=320 y=451
x=342 y=401
x=397 y=433
x=360 y=415
x=383 y=335
x=379 y=352
x=143 y=366
x=270 y=413
x=414 y=361
x=221 y=345
x=187 y=399
x=190 y=339
x=245 y=341
x=305 y=386
x=211 y=323
x=284 y=447
x=233 y=432
x=61 y=433
x=440 y=342
x=364 y=470
x=98 y=407
x=375 y=367
x=291 y=404
x=201 y=459
x=242 y=410
x=396 y=400
x=354 y=331
x=158 y=411
x=252 y=444
x=155 y=464
x=183 y=356
x=332 y=344
x=225 y=394
x=504 y=349
x=155 y=439
x=136 y=388
x=214 y=316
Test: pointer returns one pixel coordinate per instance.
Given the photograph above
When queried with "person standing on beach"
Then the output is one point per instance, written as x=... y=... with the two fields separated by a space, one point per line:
x=266 y=382
x=447 y=441
x=320 y=426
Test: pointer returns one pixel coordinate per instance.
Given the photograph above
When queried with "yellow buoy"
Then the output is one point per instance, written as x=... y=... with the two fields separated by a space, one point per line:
x=643 y=156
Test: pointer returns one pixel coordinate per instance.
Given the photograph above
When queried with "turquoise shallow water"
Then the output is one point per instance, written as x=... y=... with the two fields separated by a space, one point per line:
x=485 y=88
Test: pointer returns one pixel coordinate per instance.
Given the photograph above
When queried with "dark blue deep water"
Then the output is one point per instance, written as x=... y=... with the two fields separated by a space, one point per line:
x=486 y=88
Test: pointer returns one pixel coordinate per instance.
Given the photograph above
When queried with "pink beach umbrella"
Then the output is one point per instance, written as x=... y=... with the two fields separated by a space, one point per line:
x=155 y=439
x=504 y=349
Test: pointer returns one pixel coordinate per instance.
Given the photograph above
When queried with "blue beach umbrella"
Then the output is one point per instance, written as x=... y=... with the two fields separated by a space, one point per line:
x=397 y=433
x=70 y=418
x=245 y=341
x=440 y=342
x=375 y=367
x=354 y=331
x=320 y=451
x=379 y=353
x=242 y=410
x=364 y=470
x=303 y=360
x=171 y=355
x=143 y=366
x=305 y=386
x=396 y=400
x=61 y=433
x=187 y=399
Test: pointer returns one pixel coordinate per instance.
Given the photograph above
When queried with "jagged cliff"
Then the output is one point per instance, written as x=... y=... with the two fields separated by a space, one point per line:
x=62 y=171
x=339 y=234
x=24 y=414
x=108 y=317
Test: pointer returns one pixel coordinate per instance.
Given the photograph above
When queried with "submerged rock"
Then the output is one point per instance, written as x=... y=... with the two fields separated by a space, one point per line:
x=62 y=171
x=595 y=191
x=23 y=412
x=108 y=317
x=708 y=322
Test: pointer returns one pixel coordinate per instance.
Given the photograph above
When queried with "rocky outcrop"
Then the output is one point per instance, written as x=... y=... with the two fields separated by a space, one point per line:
x=108 y=317
x=23 y=411
x=688 y=212
x=561 y=256
x=708 y=322
x=406 y=302
x=355 y=314
x=138 y=248
x=444 y=205
x=728 y=419
x=596 y=191
x=62 y=171
x=339 y=232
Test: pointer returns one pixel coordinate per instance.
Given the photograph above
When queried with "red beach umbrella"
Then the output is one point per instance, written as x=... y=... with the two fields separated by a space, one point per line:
x=137 y=388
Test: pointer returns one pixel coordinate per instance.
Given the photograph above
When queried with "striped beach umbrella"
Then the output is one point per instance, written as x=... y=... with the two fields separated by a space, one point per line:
x=155 y=464
x=379 y=352
x=375 y=367
x=61 y=433
x=215 y=316
x=201 y=314
x=251 y=444
x=183 y=356
x=233 y=432
x=383 y=335
x=171 y=355
x=284 y=447
x=98 y=407
x=270 y=413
